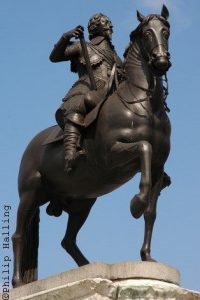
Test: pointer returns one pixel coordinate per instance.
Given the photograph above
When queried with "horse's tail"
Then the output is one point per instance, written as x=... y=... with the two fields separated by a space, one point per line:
x=30 y=251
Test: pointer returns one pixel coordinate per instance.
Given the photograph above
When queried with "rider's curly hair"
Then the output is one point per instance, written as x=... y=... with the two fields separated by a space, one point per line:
x=95 y=25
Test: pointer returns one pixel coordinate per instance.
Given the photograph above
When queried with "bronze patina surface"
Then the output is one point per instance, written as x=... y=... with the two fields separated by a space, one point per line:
x=131 y=134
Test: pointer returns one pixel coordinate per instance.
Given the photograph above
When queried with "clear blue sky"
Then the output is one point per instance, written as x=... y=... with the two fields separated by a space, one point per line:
x=31 y=90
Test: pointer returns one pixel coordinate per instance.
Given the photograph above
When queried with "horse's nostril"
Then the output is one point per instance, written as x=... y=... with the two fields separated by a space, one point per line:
x=161 y=64
x=168 y=54
x=154 y=55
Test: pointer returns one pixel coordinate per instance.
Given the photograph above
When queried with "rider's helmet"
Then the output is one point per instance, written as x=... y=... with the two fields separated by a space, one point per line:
x=100 y=24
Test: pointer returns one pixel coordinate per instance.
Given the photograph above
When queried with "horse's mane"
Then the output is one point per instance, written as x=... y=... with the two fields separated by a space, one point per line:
x=127 y=49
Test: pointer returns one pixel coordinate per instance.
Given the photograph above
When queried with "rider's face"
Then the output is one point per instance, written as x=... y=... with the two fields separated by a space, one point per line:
x=106 y=28
x=108 y=34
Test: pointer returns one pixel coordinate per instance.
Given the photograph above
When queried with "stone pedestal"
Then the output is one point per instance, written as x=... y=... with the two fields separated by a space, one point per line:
x=131 y=280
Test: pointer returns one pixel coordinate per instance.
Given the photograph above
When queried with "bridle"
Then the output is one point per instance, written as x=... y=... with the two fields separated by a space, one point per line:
x=149 y=91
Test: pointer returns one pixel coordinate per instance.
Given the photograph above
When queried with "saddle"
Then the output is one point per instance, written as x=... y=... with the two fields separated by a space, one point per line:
x=57 y=133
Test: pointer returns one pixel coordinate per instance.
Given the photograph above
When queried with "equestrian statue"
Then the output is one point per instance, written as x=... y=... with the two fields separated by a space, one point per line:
x=113 y=123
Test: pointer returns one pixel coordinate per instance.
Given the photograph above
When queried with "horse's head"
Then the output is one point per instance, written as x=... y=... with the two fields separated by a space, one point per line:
x=153 y=33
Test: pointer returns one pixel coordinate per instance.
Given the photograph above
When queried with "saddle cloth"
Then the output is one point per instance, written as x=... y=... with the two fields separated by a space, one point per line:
x=55 y=135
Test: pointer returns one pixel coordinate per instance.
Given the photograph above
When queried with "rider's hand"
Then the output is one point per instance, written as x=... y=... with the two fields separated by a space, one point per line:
x=76 y=32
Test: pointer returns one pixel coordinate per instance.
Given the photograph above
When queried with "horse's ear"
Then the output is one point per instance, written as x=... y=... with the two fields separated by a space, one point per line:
x=165 y=12
x=140 y=16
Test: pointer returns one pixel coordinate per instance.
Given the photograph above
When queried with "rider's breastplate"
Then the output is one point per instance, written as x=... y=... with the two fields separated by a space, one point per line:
x=102 y=59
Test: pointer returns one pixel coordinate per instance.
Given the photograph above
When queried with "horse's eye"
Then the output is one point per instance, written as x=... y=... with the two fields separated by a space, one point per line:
x=166 y=34
x=147 y=34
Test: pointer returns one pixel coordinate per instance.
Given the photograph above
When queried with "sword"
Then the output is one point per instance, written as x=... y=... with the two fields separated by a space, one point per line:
x=87 y=60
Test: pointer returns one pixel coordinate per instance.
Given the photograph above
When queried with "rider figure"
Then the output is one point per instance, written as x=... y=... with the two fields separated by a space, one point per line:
x=81 y=99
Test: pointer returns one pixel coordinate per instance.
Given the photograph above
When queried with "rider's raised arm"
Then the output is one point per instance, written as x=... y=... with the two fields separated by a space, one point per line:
x=72 y=51
x=64 y=49
x=58 y=52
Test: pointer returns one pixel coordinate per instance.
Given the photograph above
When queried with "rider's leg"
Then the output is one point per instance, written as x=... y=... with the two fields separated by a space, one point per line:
x=73 y=112
x=71 y=138
x=92 y=98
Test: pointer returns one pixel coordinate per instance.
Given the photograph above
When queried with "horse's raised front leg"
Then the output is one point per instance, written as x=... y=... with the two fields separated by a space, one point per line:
x=75 y=222
x=141 y=200
x=160 y=181
x=126 y=153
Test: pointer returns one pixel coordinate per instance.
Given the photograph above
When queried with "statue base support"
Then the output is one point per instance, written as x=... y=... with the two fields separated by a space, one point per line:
x=130 y=280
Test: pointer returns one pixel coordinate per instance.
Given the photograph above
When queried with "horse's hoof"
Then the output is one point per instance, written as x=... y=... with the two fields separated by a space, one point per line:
x=147 y=258
x=150 y=259
x=138 y=206
x=17 y=283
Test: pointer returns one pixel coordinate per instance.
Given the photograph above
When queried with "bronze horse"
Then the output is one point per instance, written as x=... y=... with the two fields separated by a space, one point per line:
x=130 y=135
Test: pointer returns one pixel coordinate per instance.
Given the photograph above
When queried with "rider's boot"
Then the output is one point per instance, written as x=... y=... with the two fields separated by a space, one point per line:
x=72 y=134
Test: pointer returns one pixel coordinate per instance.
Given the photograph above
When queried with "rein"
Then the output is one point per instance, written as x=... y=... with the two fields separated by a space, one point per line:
x=166 y=92
x=123 y=99
x=150 y=91
x=126 y=101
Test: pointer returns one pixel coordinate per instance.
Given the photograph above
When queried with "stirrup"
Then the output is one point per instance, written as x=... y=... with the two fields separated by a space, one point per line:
x=70 y=163
x=80 y=152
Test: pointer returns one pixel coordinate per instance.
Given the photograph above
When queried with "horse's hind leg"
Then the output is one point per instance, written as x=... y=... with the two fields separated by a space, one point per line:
x=25 y=212
x=26 y=215
x=160 y=181
x=75 y=222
